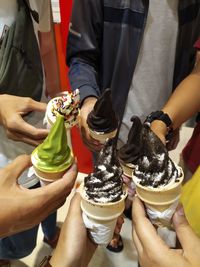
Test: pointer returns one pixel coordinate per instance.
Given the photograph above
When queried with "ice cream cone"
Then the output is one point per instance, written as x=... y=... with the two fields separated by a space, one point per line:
x=52 y=158
x=127 y=169
x=49 y=177
x=102 y=214
x=50 y=120
x=102 y=211
x=161 y=198
x=102 y=136
x=66 y=105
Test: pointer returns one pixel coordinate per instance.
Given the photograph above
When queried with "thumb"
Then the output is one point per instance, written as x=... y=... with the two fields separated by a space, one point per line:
x=185 y=234
x=13 y=170
x=62 y=186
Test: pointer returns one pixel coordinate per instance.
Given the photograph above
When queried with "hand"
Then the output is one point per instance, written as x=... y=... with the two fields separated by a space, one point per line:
x=74 y=248
x=160 y=129
x=153 y=252
x=22 y=208
x=172 y=144
x=12 y=110
x=86 y=108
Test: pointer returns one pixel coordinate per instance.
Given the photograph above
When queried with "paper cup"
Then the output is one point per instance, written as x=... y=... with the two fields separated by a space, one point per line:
x=101 y=136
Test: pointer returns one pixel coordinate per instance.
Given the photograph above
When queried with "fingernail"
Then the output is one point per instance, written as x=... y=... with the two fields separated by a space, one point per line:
x=180 y=211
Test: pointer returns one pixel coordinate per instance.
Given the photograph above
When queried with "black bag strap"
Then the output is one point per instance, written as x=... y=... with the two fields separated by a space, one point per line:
x=34 y=14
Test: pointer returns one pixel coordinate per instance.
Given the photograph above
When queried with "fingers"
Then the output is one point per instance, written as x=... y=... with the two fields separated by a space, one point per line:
x=23 y=138
x=62 y=187
x=33 y=105
x=188 y=239
x=17 y=167
x=90 y=142
x=145 y=231
x=18 y=127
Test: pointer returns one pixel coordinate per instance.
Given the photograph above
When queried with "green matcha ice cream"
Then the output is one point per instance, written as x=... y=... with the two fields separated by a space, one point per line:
x=53 y=157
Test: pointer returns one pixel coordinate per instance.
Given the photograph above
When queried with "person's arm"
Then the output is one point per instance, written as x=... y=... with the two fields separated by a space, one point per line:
x=83 y=58
x=86 y=108
x=153 y=252
x=184 y=102
x=25 y=207
x=84 y=47
x=12 y=111
x=48 y=53
x=74 y=248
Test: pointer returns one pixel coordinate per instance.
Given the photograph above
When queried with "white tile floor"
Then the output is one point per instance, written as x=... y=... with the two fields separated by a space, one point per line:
x=102 y=257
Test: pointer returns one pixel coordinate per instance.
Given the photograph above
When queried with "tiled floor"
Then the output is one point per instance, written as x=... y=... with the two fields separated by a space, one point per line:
x=102 y=257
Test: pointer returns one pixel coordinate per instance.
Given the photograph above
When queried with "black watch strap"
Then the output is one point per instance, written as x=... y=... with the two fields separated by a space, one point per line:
x=159 y=115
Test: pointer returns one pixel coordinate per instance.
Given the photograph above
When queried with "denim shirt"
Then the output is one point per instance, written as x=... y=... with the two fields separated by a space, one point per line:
x=104 y=42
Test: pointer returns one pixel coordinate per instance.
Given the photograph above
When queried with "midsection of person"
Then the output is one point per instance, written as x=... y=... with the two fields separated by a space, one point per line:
x=153 y=76
x=8 y=148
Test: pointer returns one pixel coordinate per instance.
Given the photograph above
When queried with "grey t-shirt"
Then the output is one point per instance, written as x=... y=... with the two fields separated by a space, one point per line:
x=152 y=80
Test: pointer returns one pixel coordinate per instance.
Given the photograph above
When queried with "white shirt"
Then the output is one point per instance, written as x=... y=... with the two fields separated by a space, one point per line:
x=153 y=77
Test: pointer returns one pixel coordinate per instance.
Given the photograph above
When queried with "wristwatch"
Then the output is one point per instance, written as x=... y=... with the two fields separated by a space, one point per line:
x=164 y=117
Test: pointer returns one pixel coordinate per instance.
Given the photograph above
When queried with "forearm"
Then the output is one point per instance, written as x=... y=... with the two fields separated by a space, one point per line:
x=84 y=46
x=185 y=101
x=84 y=76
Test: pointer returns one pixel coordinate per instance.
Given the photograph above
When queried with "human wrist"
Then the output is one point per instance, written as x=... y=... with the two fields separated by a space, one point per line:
x=161 y=123
x=88 y=102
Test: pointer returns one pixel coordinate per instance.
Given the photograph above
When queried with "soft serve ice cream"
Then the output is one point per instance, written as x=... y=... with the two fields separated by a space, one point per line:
x=103 y=196
x=157 y=178
x=129 y=153
x=66 y=105
x=53 y=157
x=153 y=166
x=102 y=120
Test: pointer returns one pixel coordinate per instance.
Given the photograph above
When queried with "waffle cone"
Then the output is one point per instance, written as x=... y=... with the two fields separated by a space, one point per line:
x=159 y=198
x=102 y=212
x=48 y=177
x=101 y=137
x=127 y=169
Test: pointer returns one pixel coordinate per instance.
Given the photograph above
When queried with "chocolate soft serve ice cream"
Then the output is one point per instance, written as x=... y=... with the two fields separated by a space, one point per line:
x=129 y=153
x=102 y=120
